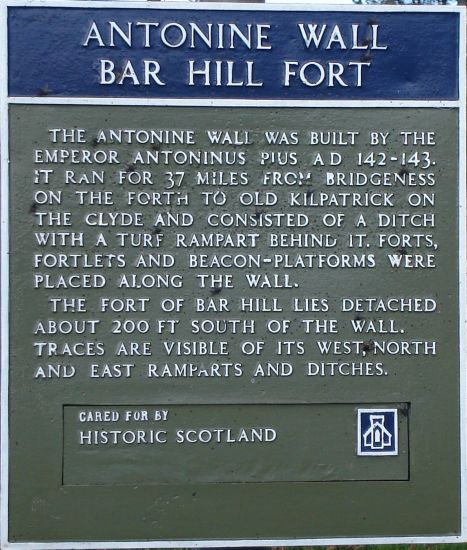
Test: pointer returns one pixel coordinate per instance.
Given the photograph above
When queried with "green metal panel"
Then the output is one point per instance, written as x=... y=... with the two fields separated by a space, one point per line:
x=308 y=482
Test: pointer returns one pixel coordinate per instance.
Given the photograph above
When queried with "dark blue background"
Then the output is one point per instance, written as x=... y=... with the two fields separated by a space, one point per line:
x=46 y=56
x=389 y=424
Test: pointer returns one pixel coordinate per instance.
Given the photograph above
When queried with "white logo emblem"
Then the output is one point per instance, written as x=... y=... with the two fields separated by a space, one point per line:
x=377 y=432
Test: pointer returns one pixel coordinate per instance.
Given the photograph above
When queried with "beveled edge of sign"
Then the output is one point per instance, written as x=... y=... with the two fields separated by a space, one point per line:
x=4 y=281
x=463 y=266
x=188 y=5
x=4 y=253
x=216 y=543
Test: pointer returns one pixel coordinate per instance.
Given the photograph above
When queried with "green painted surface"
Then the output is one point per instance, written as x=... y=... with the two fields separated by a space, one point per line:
x=61 y=492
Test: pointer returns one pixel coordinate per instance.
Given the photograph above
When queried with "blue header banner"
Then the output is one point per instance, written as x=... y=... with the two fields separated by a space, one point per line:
x=232 y=54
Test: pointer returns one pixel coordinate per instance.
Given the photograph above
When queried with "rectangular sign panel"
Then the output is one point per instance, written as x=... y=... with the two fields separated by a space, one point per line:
x=232 y=275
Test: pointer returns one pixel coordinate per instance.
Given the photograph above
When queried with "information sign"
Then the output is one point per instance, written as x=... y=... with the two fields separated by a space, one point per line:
x=233 y=264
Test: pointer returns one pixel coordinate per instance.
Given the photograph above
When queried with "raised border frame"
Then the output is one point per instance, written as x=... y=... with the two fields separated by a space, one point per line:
x=5 y=101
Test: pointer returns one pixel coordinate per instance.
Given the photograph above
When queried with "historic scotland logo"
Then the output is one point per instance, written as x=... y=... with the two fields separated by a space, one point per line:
x=377 y=432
